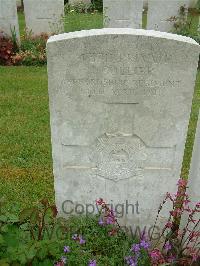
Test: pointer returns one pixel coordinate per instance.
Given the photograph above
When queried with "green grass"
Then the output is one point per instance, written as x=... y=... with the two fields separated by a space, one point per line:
x=74 y=21
x=26 y=165
x=191 y=129
x=22 y=23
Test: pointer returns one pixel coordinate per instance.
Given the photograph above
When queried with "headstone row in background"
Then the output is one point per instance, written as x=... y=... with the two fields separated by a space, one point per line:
x=128 y=13
x=41 y=16
x=46 y=15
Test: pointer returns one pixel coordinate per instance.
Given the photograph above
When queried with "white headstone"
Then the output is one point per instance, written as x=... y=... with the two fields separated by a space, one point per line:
x=44 y=16
x=161 y=14
x=120 y=102
x=192 y=3
x=194 y=177
x=8 y=17
x=194 y=186
x=123 y=14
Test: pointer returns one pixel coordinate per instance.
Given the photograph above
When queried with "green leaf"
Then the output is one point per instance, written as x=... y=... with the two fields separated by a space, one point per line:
x=42 y=252
x=35 y=217
x=26 y=214
x=3 y=218
x=4 y=228
x=53 y=249
x=13 y=218
x=2 y=241
x=31 y=252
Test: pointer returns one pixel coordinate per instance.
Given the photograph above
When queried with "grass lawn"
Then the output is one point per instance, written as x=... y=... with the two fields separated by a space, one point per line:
x=25 y=149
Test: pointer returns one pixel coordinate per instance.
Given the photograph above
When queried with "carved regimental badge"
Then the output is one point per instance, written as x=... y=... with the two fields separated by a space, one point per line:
x=118 y=157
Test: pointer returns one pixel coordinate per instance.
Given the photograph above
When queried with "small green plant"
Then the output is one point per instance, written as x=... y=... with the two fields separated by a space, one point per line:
x=180 y=23
x=23 y=239
x=183 y=25
x=14 y=39
x=178 y=245
x=32 y=50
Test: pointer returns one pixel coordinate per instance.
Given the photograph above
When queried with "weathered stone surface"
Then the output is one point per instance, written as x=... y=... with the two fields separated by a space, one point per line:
x=161 y=13
x=8 y=17
x=123 y=14
x=194 y=177
x=120 y=102
x=44 y=16
x=194 y=184
x=192 y=3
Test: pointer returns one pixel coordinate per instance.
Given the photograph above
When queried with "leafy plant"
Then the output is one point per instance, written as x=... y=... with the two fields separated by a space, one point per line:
x=32 y=50
x=181 y=244
x=98 y=5
x=37 y=237
x=180 y=23
x=6 y=50
x=82 y=7
x=183 y=25
x=23 y=238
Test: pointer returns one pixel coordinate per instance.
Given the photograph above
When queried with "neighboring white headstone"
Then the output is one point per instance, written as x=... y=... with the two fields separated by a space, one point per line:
x=8 y=17
x=44 y=16
x=161 y=14
x=123 y=14
x=120 y=102
x=193 y=190
x=192 y=3
x=194 y=177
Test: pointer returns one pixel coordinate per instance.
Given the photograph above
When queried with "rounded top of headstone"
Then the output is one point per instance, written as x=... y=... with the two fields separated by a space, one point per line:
x=121 y=31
